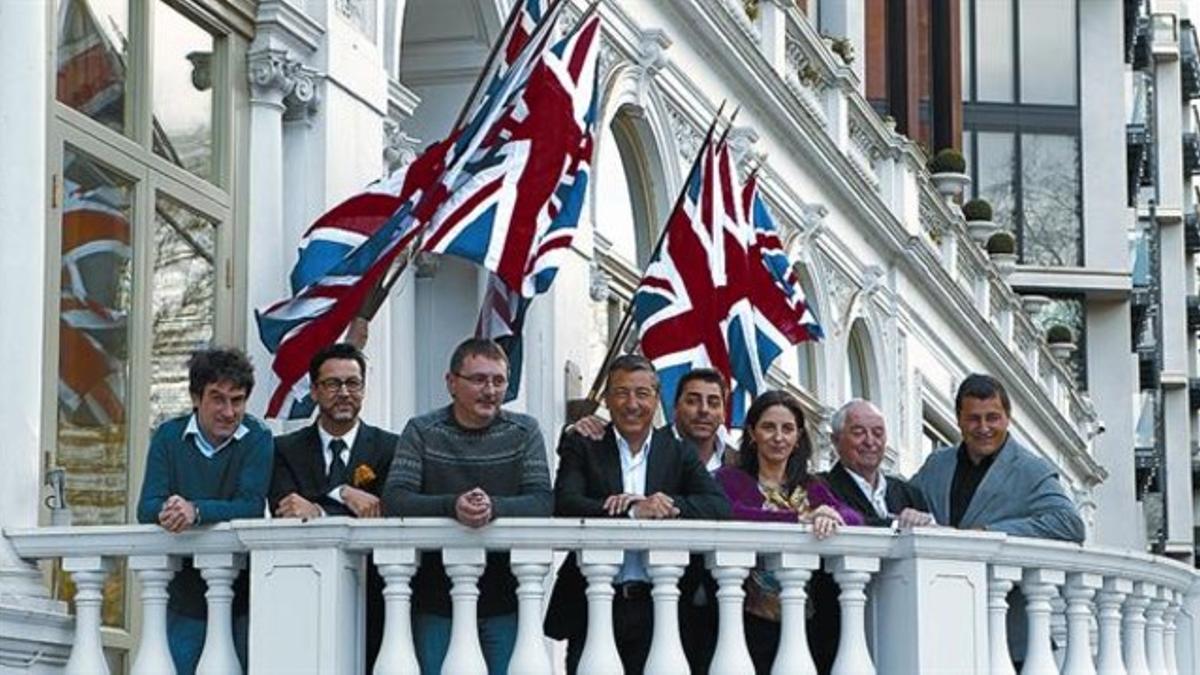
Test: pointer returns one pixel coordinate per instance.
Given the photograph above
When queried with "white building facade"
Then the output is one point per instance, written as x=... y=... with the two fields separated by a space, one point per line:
x=160 y=182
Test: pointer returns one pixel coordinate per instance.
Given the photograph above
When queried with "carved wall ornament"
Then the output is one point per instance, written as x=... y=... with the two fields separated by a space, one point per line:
x=302 y=101
x=598 y=282
x=399 y=149
x=687 y=137
x=650 y=58
x=360 y=14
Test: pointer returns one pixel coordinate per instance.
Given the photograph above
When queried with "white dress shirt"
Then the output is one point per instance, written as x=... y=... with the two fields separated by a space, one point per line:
x=876 y=495
x=208 y=449
x=717 y=459
x=633 y=481
x=326 y=438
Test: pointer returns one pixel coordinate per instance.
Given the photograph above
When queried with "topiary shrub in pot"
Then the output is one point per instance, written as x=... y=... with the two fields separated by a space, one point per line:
x=978 y=213
x=948 y=169
x=1061 y=341
x=1002 y=249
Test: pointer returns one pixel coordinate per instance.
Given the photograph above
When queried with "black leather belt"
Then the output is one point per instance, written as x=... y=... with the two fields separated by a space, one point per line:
x=633 y=590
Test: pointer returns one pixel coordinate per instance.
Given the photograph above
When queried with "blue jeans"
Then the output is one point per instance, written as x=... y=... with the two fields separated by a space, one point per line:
x=185 y=636
x=497 y=636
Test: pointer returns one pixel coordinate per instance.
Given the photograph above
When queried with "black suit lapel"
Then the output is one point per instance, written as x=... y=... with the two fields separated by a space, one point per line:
x=315 y=454
x=609 y=462
x=657 y=464
x=843 y=484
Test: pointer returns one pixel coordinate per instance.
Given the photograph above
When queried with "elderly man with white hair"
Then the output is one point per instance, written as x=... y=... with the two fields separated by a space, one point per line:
x=860 y=436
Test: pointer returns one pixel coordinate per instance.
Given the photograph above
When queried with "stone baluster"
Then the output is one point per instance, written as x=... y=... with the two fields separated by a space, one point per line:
x=730 y=568
x=666 y=651
x=153 y=653
x=219 y=570
x=1000 y=582
x=600 y=655
x=1170 y=629
x=1133 y=630
x=1038 y=585
x=1078 y=593
x=87 y=653
x=1058 y=629
x=852 y=574
x=793 y=571
x=464 y=656
x=1109 y=660
x=530 y=567
x=1155 y=659
x=396 y=654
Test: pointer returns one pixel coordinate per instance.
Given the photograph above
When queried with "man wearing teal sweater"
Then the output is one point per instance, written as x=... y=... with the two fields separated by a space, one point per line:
x=209 y=466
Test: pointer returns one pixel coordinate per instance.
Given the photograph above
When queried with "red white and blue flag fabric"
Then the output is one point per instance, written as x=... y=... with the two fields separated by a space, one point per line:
x=720 y=291
x=349 y=250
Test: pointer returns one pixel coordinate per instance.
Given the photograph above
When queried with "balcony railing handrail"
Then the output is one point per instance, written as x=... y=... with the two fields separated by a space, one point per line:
x=563 y=534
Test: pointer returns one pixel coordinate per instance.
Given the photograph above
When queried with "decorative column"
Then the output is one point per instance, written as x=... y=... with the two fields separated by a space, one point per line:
x=600 y=655
x=1169 y=631
x=730 y=568
x=793 y=571
x=219 y=570
x=773 y=30
x=1078 y=593
x=1038 y=585
x=852 y=574
x=87 y=654
x=153 y=654
x=1108 y=619
x=464 y=567
x=396 y=655
x=666 y=651
x=1155 y=658
x=530 y=567
x=1000 y=582
x=1133 y=633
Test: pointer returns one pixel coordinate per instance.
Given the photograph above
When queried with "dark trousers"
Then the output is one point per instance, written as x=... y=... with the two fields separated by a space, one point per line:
x=633 y=627
x=698 y=631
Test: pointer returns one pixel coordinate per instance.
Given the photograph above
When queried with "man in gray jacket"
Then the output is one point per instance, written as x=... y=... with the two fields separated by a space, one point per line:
x=992 y=482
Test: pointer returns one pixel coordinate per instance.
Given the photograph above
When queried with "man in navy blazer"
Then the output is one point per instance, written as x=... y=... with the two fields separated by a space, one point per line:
x=992 y=482
x=632 y=471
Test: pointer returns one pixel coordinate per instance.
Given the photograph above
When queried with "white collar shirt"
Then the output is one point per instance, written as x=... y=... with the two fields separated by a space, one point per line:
x=327 y=438
x=876 y=495
x=202 y=443
x=633 y=481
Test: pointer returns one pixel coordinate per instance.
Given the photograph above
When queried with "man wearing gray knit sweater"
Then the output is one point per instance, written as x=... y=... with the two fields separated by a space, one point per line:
x=473 y=462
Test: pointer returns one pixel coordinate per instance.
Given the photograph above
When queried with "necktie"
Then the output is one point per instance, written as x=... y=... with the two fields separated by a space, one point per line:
x=337 y=467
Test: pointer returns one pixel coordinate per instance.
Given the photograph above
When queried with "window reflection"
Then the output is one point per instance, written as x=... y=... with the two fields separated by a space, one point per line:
x=1068 y=310
x=93 y=350
x=91 y=53
x=183 y=301
x=183 y=92
x=995 y=177
x=994 y=50
x=1051 y=224
x=1048 y=52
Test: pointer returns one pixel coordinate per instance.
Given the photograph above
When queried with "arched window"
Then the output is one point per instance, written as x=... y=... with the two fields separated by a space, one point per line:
x=858 y=364
x=626 y=213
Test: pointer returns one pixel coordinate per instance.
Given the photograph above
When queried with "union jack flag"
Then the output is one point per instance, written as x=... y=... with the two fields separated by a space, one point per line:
x=90 y=74
x=720 y=291
x=501 y=318
x=347 y=251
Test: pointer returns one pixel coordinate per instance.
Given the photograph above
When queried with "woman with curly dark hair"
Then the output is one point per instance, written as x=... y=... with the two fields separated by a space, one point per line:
x=771 y=482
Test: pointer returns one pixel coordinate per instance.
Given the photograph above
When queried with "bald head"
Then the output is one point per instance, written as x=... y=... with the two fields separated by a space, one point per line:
x=860 y=436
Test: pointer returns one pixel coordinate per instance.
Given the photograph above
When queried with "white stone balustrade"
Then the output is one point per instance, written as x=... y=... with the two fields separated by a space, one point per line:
x=909 y=582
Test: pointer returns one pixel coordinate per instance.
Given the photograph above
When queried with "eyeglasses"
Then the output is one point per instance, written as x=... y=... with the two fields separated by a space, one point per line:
x=332 y=385
x=481 y=380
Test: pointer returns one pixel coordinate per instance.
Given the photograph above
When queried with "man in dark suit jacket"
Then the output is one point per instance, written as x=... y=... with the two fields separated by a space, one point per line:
x=633 y=471
x=337 y=465
x=860 y=436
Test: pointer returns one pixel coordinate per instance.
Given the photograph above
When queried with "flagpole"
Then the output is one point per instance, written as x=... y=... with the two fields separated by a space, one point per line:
x=588 y=405
x=383 y=288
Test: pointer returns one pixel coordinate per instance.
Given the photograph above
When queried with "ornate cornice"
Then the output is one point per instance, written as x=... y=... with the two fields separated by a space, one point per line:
x=399 y=149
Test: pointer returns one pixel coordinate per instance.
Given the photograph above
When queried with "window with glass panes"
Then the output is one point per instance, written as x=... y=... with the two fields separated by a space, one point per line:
x=142 y=176
x=1021 y=122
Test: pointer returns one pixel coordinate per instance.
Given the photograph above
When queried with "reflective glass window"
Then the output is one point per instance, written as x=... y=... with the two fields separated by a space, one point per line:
x=1048 y=51
x=994 y=50
x=1051 y=223
x=183 y=92
x=994 y=181
x=91 y=58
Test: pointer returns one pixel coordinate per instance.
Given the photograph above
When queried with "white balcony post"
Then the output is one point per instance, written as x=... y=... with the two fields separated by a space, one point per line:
x=1170 y=629
x=730 y=568
x=1108 y=618
x=396 y=655
x=1001 y=580
x=1078 y=593
x=464 y=656
x=1038 y=585
x=1058 y=629
x=219 y=570
x=666 y=651
x=153 y=652
x=87 y=654
x=852 y=574
x=793 y=571
x=1155 y=659
x=600 y=655
x=1133 y=632
x=530 y=567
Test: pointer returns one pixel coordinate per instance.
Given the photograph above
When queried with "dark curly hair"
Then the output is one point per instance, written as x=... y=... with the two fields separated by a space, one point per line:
x=796 y=473
x=219 y=364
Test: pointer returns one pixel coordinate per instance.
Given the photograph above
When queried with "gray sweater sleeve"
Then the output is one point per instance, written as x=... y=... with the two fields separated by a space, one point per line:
x=402 y=491
x=536 y=500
